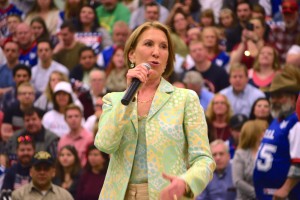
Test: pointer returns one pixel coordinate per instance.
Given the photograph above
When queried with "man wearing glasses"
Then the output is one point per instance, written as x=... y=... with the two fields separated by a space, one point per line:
x=13 y=115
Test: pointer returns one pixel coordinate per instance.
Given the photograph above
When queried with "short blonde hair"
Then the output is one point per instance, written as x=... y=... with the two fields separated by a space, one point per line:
x=251 y=133
x=238 y=66
x=132 y=41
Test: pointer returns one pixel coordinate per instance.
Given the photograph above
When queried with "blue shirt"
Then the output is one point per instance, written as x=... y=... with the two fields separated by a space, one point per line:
x=220 y=188
x=29 y=56
x=242 y=102
x=6 y=75
x=205 y=97
x=274 y=160
x=11 y=9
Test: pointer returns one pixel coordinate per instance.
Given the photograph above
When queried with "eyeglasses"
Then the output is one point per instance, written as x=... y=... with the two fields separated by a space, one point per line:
x=26 y=93
x=25 y=138
x=219 y=102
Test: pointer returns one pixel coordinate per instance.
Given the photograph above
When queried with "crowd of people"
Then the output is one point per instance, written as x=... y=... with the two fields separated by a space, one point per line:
x=59 y=58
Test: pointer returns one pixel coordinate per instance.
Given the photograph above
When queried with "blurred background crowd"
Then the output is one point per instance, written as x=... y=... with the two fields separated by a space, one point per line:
x=58 y=58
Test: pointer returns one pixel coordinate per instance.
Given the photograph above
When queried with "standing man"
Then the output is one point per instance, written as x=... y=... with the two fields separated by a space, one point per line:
x=234 y=35
x=41 y=187
x=277 y=172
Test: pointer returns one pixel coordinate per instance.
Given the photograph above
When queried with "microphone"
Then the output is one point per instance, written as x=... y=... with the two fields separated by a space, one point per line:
x=134 y=86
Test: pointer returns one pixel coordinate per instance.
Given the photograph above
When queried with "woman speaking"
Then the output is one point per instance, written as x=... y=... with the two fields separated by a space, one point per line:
x=158 y=143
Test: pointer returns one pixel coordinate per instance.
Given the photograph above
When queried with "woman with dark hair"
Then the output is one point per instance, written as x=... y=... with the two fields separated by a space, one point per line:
x=89 y=32
x=261 y=110
x=68 y=169
x=48 y=11
x=39 y=28
x=92 y=179
x=179 y=28
x=116 y=72
x=207 y=18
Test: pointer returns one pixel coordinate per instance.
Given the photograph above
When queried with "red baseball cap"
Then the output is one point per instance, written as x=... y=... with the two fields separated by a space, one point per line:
x=289 y=6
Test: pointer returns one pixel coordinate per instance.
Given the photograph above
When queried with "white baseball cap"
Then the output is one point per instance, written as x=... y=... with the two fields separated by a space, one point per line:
x=63 y=86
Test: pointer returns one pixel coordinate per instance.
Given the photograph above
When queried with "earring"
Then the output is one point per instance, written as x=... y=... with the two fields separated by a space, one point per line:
x=132 y=65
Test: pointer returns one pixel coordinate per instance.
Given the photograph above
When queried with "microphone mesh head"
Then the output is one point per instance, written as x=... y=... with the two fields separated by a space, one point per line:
x=147 y=65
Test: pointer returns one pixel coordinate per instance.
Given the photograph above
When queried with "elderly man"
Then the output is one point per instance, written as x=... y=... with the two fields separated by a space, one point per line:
x=194 y=81
x=221 y=186
x=41 y=187
x=97 y=89
x=277 y=172
x=120 y=35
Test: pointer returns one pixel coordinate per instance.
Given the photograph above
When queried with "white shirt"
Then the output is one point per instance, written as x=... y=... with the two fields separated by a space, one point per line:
x=40 y=76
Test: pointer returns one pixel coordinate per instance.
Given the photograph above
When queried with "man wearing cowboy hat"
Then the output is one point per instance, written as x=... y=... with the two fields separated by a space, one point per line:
x=277 y=172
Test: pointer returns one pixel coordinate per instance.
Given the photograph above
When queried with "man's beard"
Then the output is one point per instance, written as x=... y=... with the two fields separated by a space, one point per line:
x=282 y=110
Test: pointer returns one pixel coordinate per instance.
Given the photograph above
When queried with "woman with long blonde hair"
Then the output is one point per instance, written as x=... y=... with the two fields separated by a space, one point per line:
x=244 y=158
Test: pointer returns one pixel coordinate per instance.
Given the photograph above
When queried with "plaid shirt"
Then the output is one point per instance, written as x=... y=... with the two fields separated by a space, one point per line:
x=283 y=39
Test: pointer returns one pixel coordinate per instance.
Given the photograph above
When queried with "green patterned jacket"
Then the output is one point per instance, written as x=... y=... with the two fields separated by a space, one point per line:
x=177 y=142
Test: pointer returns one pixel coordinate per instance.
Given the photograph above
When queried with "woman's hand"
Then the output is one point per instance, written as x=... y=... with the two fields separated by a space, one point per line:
x=140 y=72
x=175 y=190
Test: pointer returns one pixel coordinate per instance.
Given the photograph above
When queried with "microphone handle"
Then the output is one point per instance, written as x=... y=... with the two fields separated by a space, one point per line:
x=133 y=88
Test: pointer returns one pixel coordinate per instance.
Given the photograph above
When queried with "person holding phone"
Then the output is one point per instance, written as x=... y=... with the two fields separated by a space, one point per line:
x=252 y=40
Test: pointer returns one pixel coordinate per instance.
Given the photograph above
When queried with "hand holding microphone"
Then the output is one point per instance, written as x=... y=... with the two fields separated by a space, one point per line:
x=138 y=75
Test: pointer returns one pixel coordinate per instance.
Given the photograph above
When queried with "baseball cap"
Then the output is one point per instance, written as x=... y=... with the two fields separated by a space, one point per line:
x=289 y=6
x=63 y=86
x=42 y=157
x=236 y=121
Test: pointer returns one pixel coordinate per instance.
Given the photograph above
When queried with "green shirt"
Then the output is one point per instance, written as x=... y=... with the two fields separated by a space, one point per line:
x=139 y=173
x=107 y=19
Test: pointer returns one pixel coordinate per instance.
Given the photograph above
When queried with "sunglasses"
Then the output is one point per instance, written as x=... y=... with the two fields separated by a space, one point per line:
x=25 y=138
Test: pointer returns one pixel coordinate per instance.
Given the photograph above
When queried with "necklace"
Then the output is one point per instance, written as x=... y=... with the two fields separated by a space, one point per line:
x=146 y=101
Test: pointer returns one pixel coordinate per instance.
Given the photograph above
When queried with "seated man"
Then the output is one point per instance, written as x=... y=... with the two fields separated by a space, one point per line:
x=44 y=139
x=78 y=136
x=41 y=187
x=221 y=186
x=240 y=93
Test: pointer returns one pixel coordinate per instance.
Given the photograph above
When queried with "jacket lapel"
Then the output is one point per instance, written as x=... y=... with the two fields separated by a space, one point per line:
x=162 y=95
